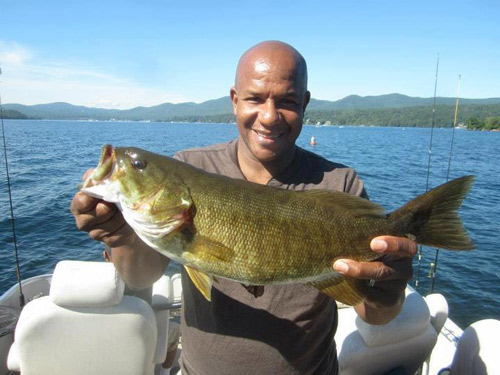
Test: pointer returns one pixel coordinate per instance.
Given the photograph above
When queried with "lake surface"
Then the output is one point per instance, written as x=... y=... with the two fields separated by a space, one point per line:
x=48 y=158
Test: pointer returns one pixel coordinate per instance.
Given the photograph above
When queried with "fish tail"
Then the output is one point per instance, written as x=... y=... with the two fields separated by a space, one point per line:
x=432 y=218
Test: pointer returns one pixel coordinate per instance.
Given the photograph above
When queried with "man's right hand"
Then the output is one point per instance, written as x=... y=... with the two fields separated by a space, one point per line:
x=138 y=264
x=102 y=220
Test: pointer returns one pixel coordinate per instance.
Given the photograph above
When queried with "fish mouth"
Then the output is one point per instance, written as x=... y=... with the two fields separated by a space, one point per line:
x=104 y=169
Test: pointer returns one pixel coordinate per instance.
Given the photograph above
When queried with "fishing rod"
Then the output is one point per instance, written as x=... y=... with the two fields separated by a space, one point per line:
x=416 y=283
x=434 y=264
x=16 y=253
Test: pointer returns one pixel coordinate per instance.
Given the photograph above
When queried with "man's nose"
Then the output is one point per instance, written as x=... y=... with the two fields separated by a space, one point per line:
x=269 y=114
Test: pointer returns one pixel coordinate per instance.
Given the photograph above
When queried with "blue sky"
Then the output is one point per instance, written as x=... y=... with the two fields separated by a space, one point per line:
x=122 y=54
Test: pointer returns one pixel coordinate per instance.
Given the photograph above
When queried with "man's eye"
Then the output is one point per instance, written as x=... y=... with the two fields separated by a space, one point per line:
x=253 y=99
x=288 y=102
x=139 y=164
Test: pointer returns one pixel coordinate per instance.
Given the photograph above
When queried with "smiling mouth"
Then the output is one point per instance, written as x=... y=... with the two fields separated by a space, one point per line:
x=266 y=137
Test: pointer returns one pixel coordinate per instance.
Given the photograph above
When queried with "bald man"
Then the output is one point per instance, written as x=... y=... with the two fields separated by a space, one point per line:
x=279 y=329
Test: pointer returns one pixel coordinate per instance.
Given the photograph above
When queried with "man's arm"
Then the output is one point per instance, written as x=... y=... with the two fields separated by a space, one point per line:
x=391 y=273
x=138 y=264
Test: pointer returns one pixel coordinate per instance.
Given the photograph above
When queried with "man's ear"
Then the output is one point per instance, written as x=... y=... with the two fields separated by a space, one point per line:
x=307 y=98
x=234 y=98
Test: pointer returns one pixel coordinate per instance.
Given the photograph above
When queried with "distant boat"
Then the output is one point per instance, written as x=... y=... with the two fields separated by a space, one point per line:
x=313 y=141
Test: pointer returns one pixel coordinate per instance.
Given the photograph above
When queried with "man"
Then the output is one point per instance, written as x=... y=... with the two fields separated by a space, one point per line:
x=285 y=329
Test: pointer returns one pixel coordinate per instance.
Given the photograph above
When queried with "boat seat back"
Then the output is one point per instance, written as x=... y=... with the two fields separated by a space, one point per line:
x=165 y=292
x=85 y=326
x=404 y=343
x=438 y=307
x=477 y=349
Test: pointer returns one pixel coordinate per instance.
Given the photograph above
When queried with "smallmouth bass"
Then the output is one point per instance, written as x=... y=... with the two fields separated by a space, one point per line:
x=254 y=234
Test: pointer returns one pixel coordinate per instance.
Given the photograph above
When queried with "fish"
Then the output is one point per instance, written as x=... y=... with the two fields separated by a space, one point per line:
x=219 y=227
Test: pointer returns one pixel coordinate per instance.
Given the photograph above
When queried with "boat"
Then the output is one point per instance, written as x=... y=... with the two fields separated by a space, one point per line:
x=422 y=339
x=78 y=321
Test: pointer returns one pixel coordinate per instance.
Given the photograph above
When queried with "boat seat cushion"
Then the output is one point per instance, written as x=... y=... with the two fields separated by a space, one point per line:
x=438 y=307
x=404 y=343
x=355 y=358
x=51 y=339
x=86 y=284
x=477 y=350
x=162 y=295
x=112 y=334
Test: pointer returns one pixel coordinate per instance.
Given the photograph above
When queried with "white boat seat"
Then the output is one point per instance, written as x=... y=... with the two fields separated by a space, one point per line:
x=405 y=342
x=85 y=326
x=477 y=349
x=165 y=292
x=438 y=308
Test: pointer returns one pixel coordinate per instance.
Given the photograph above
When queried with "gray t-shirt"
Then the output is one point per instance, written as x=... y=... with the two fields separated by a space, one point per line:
x=275 y=330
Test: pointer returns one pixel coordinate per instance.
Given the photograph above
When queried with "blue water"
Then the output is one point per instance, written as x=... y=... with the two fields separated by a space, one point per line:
x=48 y=158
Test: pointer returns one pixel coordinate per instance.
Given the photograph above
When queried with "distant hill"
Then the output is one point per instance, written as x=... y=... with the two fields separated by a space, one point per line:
x=391 y=108
x=11 y=114
x=162 y=112
x=390 y=101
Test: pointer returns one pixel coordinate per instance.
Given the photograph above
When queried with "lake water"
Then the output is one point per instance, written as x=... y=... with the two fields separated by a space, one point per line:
x=48 y=158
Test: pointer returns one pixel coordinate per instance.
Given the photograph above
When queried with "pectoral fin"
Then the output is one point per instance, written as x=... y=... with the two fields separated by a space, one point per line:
x=204 y=252
x=201 y=280
x=343 y=289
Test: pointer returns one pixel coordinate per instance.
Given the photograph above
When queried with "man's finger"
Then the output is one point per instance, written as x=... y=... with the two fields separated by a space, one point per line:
x=111 y=233
x=363 y=270
x=82 y=203
x=394 y=269
x=104 y=211
x=390 y=244
x=100 y=230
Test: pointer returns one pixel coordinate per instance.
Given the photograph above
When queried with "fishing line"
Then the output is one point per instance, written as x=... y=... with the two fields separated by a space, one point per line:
x=416 y=283
x=434 y=265
x=16 y=253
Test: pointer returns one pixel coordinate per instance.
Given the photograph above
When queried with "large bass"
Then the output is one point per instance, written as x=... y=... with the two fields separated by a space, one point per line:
x=257 y=235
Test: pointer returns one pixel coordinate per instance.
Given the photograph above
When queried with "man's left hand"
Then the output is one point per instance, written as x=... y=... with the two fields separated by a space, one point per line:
x=388 y=276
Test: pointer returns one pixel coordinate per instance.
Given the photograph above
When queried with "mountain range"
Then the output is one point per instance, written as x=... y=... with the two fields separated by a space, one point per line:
x=222 y=108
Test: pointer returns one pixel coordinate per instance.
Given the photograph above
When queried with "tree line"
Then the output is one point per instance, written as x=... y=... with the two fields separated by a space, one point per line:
x=475 y=116
x=490 y=123
x=11 y=114
x=406 y=116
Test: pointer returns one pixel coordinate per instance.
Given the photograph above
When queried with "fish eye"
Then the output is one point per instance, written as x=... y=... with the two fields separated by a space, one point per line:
x=139 y=164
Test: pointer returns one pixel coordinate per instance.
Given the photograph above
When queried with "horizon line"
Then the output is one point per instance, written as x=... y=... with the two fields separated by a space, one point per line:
x=227 y=96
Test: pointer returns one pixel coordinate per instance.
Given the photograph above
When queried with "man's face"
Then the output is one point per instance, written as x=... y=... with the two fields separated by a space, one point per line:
x=269 y=100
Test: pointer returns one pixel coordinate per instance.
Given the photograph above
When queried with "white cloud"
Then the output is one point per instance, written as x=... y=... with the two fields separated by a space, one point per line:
x=29 y=80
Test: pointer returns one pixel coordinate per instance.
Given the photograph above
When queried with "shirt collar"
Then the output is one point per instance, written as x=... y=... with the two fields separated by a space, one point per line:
x=283 y=178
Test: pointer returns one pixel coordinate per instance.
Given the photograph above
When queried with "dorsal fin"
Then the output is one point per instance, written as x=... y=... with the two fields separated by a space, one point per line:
x=351 y=204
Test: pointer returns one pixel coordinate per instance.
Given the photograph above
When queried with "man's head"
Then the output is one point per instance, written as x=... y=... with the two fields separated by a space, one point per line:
x=269 y=99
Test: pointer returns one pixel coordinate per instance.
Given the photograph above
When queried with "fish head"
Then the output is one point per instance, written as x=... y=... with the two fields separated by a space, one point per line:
x=145 y=187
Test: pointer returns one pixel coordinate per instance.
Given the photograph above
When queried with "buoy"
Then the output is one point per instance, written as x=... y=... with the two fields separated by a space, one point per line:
x=313 y=141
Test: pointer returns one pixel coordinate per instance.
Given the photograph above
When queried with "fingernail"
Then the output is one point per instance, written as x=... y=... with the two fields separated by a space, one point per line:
x=378 y=245
x=340 y=266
